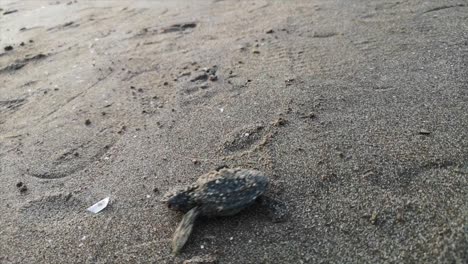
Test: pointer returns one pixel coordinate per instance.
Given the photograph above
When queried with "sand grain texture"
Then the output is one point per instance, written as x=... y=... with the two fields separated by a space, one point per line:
x=357 y=110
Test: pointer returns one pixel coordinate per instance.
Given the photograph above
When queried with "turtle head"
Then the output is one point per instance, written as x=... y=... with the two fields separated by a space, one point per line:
x=181 y=200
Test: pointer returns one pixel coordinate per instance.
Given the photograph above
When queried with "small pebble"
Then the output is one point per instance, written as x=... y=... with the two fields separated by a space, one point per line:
x=373 y=218
x=424 y=132
x=309 y=115
x=88 y=122
x=23 y=189
x=8 y=48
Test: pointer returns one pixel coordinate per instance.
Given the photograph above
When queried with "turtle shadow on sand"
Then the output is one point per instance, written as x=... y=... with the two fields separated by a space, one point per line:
x=221 y=193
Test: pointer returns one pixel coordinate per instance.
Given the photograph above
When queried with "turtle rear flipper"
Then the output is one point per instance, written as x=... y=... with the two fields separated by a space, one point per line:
x=277 y=210
x=184 y=229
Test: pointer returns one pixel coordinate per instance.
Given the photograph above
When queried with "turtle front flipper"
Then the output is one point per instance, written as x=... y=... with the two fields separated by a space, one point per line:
x=184 y=229
x=277 y=210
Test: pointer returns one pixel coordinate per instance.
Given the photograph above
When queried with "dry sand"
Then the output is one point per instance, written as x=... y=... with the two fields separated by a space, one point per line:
x=358 y=111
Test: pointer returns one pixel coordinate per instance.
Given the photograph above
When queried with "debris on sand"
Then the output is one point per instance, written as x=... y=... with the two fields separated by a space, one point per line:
x=99 y=206
x=424 y=132
x=21 y=187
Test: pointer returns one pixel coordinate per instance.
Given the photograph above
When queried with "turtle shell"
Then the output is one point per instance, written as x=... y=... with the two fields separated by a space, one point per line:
x=223 y=192
x=228 y=191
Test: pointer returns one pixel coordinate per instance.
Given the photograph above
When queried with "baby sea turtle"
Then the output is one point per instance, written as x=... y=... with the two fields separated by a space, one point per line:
x=220 y=193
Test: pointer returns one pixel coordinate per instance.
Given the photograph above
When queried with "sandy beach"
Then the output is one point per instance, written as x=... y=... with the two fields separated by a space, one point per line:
x=356 y=110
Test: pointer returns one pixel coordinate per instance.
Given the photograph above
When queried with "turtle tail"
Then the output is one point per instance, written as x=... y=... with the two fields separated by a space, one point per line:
x=184 y=229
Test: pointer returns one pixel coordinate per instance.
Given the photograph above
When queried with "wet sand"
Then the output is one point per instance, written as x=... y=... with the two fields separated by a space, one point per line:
x=357 y=111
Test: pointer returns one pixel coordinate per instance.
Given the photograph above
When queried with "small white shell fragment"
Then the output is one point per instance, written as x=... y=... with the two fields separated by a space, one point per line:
x=99 y=206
